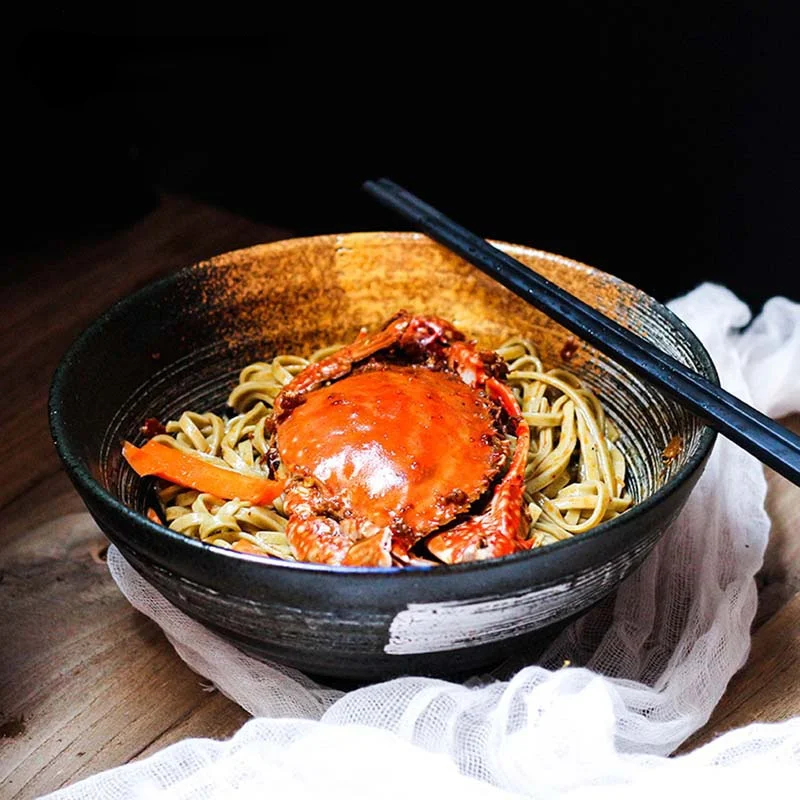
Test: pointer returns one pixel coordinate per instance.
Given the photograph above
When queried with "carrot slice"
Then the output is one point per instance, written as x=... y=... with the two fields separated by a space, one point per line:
x=153 y=517
x=188 y=470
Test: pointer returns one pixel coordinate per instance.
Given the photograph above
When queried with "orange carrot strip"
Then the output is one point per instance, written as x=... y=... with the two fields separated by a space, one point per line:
x=185 y=469
x=153 y=517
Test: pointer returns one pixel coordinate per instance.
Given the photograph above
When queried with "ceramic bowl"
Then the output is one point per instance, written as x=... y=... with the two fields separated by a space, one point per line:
x=179 y=344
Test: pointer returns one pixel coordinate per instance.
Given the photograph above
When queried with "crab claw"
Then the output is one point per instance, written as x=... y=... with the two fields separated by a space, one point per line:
x=338 y=364
x=326 y=541
x=318 y=539
x=475 y=367
x=409 y=332
x=374 y=551
x=500 y=530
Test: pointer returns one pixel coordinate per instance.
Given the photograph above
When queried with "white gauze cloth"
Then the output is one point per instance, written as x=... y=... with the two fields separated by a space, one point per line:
x=648 y=666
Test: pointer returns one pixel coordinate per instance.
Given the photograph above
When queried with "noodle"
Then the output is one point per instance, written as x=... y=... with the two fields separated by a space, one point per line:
x=574 y=478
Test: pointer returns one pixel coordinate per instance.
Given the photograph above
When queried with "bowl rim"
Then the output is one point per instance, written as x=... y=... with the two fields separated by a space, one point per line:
x=80 y=475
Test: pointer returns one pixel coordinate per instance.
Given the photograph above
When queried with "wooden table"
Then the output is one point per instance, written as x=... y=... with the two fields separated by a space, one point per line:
x=86 y=682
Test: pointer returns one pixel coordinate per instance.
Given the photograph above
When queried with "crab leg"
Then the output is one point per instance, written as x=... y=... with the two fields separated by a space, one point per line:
x=500 y=529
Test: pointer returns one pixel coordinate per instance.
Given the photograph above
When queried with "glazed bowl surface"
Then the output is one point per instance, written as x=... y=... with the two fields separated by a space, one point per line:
x=179 y=344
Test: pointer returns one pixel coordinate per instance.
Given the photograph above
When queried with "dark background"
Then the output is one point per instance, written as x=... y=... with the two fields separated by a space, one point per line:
x=657 y=144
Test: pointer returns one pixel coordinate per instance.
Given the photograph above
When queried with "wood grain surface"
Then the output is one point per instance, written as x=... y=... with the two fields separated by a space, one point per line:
x=86 y=682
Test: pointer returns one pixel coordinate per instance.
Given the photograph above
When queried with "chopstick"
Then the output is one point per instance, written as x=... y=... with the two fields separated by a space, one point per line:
x=753 y=431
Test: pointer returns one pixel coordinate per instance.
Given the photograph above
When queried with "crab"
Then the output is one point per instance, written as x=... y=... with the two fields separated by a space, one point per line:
x=395 y=451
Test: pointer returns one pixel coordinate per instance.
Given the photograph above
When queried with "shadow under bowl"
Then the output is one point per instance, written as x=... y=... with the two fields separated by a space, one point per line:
x=179 y=344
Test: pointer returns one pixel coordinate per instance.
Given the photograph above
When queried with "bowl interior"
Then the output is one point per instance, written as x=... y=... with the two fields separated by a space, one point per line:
x=179 y=344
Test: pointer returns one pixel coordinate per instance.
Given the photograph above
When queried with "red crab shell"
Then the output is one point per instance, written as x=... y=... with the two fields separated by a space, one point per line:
x=383 y=456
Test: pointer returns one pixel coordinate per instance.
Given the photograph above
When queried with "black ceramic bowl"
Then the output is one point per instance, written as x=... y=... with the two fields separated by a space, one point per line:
x=179 y=344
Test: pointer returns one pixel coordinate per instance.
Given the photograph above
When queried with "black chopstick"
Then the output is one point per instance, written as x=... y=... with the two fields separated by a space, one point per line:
x=753 y=431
